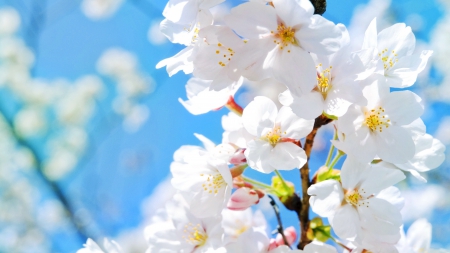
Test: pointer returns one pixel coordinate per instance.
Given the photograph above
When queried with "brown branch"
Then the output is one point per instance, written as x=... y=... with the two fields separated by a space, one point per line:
x=320 y=6
x=303 y=213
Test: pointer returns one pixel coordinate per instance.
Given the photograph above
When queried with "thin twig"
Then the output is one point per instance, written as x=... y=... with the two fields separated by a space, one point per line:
x=280 y=225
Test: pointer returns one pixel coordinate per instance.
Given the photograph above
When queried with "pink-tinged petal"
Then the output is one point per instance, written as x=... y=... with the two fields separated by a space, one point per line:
x=242 y=199
x=287 y=156
x=326 y=197
x=259 y=115
x=395 y=145
x=295 y=69
x=309 y=106
x=320 y=36
x=380 y=217
x=345 y=222
x=353 y=172
x=290 y=234
x=385 y=177
x=292 y=126
x=398 y=38
x=370 y=36
x=402 y=107
x=252 y=20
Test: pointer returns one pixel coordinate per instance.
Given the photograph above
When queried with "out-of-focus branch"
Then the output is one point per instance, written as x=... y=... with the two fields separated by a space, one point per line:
x=35 y=25
x=320 y=6
x=54 y=187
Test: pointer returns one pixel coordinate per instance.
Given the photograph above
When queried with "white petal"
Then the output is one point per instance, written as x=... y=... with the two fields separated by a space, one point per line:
x=320 y=36
x=402 y=107
x=251 y=20
x=293 y=126
x=259 y=115
x=287 y=156
x=346 y=222
x=299 y=79
x=419 y=235
x=309 y=106
x=326 y=197
x=379 y=178
x=380 y=217
x=353 y=172
x=395 y=145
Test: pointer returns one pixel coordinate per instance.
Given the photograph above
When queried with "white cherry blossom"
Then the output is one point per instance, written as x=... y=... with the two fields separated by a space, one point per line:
x=280 y=36
x=176 y=230
x=336 y=86
x=394 y=54
x=379 y=129
x=275 y=132
x=363 y=204
x=204 y=181
x=216 y=56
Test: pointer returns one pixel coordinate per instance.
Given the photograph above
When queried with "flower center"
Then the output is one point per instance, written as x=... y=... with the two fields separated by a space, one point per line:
x=389 y=58
x=324 y=80
x=227 y=54
x=285 y=36
x=376 y=120
x=213 y=183
x=195 y=235
x=353 y=197
x=273 y=137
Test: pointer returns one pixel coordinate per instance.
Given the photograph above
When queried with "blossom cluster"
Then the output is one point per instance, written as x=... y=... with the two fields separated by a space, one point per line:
x=359 y=89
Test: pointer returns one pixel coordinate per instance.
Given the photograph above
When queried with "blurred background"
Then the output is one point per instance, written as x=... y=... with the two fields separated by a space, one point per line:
x=88 y=126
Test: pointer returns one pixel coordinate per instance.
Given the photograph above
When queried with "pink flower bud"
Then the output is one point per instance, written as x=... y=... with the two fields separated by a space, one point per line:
x=272 y=245
x=290 y=235
x=238 y=157
x=242 y=199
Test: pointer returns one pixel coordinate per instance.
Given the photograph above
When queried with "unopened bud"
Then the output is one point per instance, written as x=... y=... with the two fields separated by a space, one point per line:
x=242 y=199
x=290 y=235
x=238 y=157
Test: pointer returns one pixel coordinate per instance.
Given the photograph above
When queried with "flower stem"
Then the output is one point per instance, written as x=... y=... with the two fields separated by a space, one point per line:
x=234 y=107
x=335 y=160
x=332 y=148
x=285 y=186
x=340 y=244
x=259 y=184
